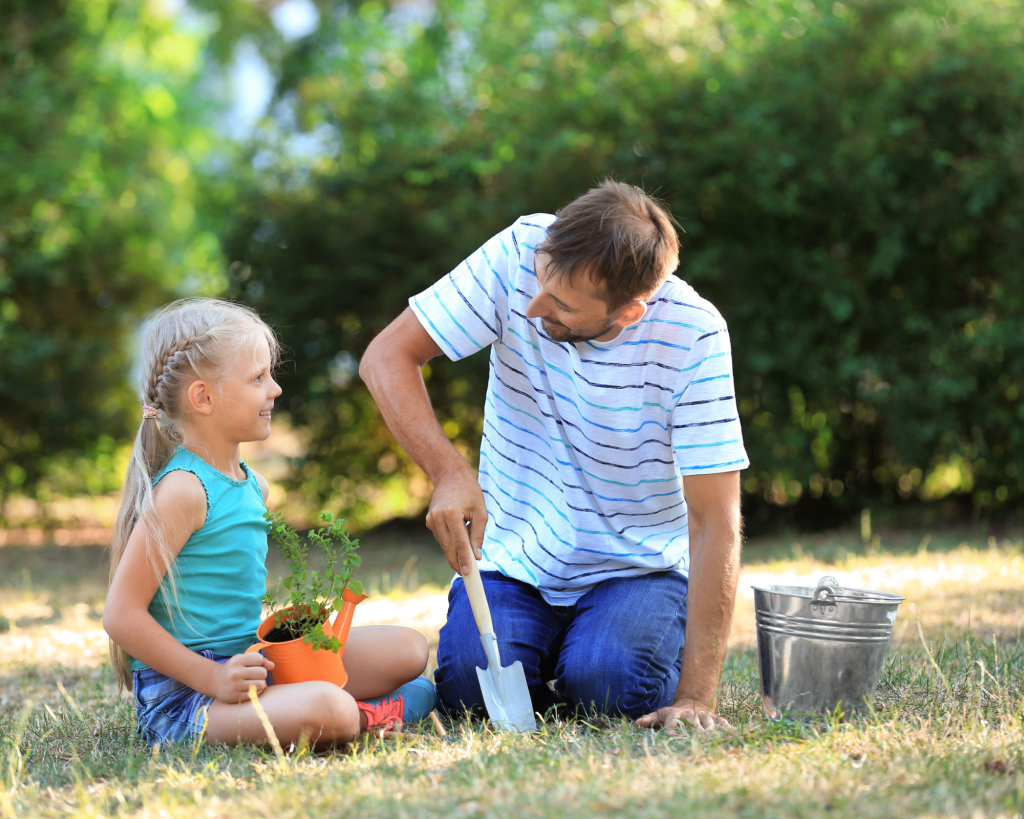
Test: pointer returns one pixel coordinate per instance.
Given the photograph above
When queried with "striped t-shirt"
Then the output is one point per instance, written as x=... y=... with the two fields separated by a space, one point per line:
x=584 y=444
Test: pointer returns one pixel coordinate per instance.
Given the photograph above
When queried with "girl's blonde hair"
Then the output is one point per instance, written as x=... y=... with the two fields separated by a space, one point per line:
x=183 y=341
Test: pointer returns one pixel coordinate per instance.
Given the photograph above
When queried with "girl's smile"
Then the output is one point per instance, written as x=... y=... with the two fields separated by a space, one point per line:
x=247 y=398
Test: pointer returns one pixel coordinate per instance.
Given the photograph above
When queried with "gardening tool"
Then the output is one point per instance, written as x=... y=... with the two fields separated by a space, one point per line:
x=505 y=693
x=821 y=648
x=439 y=727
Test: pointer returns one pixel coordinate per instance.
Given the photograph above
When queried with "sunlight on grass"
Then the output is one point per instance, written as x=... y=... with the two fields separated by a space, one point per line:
x=946 y=738
x=966 y=589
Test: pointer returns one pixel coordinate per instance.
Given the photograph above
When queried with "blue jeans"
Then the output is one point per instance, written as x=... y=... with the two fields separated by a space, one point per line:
x=617 y=651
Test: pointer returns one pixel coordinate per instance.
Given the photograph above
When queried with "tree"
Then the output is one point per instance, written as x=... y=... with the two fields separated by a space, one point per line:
x=849 y=180
x=102 y=135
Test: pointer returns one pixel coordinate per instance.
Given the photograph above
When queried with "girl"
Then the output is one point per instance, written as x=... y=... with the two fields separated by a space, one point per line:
x=187 y=557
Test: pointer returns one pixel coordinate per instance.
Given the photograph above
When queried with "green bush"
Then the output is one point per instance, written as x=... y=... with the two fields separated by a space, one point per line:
x=849 y=178
x=859 y=207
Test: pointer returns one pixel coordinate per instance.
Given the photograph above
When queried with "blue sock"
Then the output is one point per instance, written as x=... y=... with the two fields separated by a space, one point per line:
x=418 y=699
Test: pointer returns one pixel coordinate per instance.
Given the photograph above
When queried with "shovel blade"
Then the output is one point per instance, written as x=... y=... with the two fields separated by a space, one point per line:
x=507 y=698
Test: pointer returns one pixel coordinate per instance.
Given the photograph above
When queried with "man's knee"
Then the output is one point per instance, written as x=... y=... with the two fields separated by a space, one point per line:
x=458 y=686
x=455 y=677
x=633 y=668
x=523 y=629
x=609 y=678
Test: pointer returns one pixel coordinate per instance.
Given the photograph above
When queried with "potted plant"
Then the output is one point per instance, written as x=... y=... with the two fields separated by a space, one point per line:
x=298 y=635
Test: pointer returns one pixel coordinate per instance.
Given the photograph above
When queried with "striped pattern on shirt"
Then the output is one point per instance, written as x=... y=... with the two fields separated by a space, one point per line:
x=584 y=444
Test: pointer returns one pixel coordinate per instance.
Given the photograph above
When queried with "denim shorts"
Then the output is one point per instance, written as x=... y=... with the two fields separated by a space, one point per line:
x=170 y=711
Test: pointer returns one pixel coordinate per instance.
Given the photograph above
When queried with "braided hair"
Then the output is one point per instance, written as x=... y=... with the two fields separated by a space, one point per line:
x=187 y=340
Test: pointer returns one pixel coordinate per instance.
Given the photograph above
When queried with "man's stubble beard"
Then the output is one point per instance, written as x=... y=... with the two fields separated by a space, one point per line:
x=567 y=336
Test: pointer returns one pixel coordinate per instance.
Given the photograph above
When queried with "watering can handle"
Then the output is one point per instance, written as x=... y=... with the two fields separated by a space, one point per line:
x=477 y=598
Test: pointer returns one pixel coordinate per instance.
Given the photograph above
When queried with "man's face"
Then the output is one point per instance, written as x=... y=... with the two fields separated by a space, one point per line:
x=575 y=313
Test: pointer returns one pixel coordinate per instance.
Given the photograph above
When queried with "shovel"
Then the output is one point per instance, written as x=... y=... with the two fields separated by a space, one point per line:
x=505 y=693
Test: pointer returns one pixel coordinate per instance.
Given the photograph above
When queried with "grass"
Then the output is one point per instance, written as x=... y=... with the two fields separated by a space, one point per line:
x=946 y=737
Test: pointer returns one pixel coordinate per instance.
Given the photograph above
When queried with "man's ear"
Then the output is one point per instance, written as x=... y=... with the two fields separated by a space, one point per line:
x=200 y=397
x=632 y=313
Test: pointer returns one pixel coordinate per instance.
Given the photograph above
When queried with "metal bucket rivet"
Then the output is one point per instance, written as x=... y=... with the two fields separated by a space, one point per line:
x=821 y=649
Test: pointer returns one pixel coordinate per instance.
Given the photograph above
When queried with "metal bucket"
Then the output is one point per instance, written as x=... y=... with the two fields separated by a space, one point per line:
x=821 y=648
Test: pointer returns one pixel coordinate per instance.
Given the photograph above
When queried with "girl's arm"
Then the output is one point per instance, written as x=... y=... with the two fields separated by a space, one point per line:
x=180 y=502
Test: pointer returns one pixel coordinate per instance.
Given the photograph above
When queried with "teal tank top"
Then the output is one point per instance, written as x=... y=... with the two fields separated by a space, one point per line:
x=221 y=572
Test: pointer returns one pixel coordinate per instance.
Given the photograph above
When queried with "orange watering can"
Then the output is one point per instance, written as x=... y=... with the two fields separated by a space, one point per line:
x=296 y=661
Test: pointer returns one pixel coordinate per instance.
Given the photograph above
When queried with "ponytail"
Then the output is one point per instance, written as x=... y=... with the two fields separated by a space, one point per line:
x=152 y=450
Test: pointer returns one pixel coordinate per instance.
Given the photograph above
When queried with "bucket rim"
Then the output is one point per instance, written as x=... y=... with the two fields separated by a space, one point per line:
x=842 y=594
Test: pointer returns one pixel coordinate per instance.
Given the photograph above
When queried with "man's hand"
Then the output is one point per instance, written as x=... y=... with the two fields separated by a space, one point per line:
x=234 y=677
x=457 y=499
x=684 y=710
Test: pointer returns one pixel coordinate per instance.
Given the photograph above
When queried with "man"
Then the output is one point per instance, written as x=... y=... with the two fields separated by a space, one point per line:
x=610 y=393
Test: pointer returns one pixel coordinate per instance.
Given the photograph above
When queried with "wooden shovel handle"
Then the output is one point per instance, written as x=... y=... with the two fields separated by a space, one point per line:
x=477 y=598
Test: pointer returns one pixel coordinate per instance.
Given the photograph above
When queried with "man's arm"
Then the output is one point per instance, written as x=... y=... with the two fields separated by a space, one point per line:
x=390 y=367
x=713 y=502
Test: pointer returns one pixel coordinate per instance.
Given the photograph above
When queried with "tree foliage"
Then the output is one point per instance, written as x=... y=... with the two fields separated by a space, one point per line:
x=100 y=140
x=848 y=174
x=858 y=196
x=849 y=178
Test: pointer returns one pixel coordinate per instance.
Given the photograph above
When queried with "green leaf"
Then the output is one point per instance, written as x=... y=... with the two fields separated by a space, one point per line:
x=319 y=589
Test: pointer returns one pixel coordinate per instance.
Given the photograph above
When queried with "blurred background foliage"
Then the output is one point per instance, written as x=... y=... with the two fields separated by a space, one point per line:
x=102 y=135
x=848 y=175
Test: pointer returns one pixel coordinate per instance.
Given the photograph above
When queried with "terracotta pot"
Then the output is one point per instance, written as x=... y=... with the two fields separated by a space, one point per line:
x=296 y=661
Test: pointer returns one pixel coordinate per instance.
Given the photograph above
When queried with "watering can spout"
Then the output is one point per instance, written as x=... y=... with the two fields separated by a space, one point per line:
x=343 y=621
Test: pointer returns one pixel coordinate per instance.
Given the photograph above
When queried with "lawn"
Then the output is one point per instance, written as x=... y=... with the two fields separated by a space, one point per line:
x=946 y=739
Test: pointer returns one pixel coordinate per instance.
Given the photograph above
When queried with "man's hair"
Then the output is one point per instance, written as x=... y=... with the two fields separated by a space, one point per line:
x=619 y=236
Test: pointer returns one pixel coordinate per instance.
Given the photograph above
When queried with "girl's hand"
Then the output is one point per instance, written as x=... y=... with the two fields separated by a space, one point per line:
x=234 y=677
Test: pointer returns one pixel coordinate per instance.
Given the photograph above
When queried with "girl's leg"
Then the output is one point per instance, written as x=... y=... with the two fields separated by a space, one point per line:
x=378 y=659
x=326 y=713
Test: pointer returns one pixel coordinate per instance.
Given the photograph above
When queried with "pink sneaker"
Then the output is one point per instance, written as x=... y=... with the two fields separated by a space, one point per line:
x=384 y=714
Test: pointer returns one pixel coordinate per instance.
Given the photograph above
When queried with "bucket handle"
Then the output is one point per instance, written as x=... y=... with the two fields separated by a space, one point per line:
x=824 y=600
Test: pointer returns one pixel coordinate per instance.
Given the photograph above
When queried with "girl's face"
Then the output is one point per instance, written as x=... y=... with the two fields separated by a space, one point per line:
x=247 y=395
